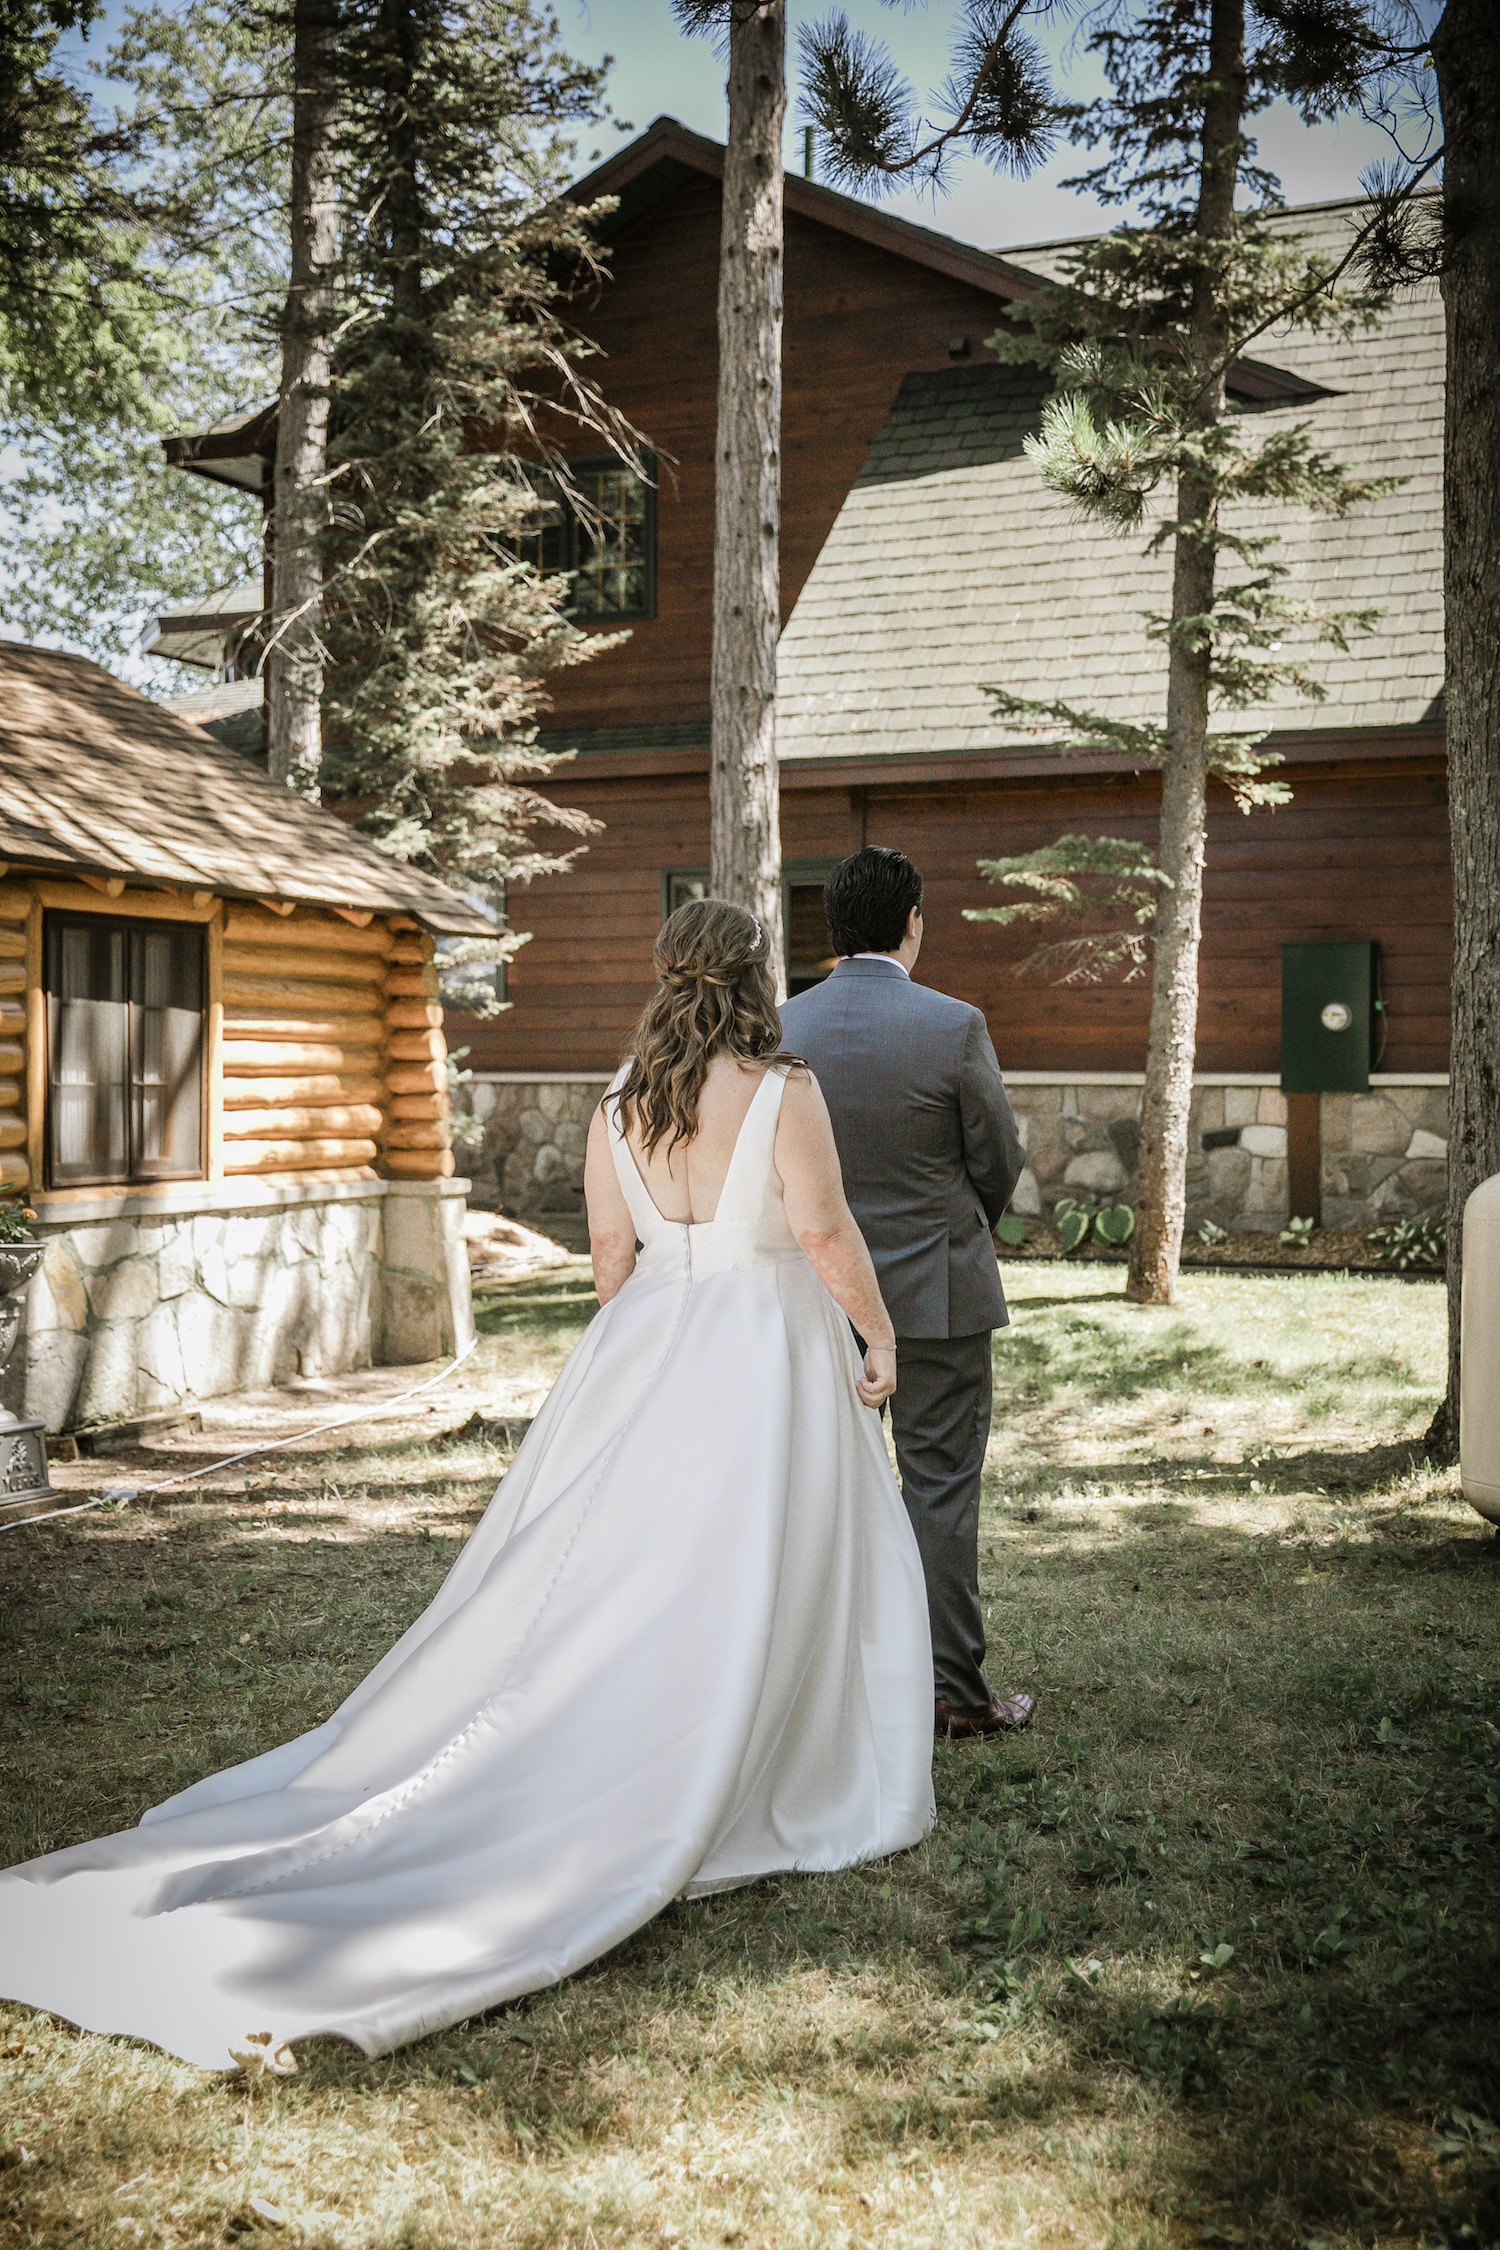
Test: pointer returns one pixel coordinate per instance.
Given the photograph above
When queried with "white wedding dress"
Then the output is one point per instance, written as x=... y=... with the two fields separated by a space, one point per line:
x=686 y=1646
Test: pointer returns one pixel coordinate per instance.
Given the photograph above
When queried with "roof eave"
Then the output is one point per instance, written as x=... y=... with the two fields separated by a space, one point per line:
x=666 y=141
x=25 y=859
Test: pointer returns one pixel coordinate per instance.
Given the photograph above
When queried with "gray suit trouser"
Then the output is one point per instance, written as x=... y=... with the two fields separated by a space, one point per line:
x=940 y=1416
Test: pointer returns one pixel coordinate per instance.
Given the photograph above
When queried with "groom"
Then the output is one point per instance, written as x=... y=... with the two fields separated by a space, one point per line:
x=930 y=1155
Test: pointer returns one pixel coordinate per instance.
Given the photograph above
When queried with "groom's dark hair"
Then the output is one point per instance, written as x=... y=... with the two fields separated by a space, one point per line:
x=868 y=900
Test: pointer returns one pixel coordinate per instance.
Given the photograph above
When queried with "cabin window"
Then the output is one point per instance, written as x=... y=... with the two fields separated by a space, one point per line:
x=600 y=526
x=125 y=1050
x=809 y=948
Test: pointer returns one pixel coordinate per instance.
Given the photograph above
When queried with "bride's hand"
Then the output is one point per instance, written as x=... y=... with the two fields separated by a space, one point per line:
x=879 y=1378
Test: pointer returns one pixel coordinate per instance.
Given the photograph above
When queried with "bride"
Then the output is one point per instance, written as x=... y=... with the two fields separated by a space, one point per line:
x=687 y=1645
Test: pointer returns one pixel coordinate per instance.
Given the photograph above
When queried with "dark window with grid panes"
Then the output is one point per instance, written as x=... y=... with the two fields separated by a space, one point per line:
x=809 y=948
x=125 y=1050
x=602 y=531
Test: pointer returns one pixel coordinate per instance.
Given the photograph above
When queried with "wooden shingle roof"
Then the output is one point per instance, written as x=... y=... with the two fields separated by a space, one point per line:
x=97 y=779
x=950 y=565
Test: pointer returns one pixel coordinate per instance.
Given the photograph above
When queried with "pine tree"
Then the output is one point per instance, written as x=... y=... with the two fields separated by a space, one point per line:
x=293 y=663
x=1140 y=338
x=457 y=380
x=1466 y=48
x=1456 y=238
x=98 y=533
x=75 y=320
x=744 y=781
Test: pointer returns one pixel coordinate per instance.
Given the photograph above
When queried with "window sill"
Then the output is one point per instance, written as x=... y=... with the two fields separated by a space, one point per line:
x=186 y=1199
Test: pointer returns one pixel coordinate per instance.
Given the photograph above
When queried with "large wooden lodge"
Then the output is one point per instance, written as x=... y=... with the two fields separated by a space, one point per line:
x=921 y=560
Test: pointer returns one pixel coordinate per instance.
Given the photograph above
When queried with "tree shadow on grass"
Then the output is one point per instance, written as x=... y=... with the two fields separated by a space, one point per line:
x=1294 y=2096
x=1333 y=1472
x=1031 y=1368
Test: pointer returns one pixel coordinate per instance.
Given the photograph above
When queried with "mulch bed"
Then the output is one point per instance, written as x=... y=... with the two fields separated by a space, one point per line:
x=1333 y=1250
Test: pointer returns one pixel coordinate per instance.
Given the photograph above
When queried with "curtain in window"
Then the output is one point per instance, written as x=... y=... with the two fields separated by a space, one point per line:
x=166 y=1023
x=90 y=1047
x=125 y=1023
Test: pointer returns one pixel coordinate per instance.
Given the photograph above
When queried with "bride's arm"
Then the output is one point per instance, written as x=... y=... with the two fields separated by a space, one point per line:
x=813 y=1185
x=611 y=1228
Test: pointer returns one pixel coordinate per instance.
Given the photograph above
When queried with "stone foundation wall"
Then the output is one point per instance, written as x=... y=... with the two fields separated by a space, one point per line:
x=1384 y=1153
x=138 y=1308
x=536 y=1132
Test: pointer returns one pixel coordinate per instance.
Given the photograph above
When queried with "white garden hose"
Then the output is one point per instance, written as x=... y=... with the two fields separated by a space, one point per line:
x=232 y=1460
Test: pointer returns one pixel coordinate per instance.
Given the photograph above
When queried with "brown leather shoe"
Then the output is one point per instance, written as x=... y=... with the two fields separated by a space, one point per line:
x=1004 y=1714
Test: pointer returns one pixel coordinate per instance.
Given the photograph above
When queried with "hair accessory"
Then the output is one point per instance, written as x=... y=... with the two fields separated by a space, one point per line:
x=760 y=934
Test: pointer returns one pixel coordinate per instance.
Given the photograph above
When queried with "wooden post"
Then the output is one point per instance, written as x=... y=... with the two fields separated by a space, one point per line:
x=1304 y=1156
x=36 y=1052
x=213 y=1047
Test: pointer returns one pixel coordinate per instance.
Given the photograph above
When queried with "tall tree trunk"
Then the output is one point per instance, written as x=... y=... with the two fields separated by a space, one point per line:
x=1466 y=50
x=294 y=665
x=1161 y=1194
x=399 y=41
x=744 y=793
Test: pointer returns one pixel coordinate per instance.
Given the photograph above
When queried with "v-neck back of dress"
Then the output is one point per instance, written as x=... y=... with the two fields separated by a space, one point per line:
x=749 y=1226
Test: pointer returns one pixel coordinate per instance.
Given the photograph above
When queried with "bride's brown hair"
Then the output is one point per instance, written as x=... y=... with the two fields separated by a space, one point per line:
x=714 y=996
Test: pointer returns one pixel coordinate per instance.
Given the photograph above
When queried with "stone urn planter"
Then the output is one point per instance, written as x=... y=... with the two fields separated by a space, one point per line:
x=23 y=1448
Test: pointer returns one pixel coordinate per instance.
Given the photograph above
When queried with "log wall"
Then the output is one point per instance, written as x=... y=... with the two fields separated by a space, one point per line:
x=328 y=1025
x=324 y=1056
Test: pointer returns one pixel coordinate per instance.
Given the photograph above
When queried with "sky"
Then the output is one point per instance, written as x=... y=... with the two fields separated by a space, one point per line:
x=658 y=68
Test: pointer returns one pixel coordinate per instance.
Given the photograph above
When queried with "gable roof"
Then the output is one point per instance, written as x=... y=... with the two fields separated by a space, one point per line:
x=96 y=778
x=667 y=155
x=950 y=564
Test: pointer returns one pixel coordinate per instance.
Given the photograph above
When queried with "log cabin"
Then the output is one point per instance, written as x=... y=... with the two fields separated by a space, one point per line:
x=922 y=560
x=223 y=1079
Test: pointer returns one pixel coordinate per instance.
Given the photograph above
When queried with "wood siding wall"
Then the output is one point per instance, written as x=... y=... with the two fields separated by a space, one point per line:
x=1361 y=852
x=858 y=319
x=324 y=1056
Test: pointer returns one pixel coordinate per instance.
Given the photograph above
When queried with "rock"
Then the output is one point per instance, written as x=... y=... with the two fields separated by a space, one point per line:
x=1377 y=1127
x=1125 y=1133
x=1099 y=1170
x=1423 y=1143
x=1028 y=1196
x=1264 y=1140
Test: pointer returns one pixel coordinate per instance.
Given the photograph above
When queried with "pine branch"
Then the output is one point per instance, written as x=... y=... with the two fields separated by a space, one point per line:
x=873 y=133
x=1076 y=877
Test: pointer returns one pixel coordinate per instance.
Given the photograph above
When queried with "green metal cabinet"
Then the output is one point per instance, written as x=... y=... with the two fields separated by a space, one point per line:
x=1327 y=1005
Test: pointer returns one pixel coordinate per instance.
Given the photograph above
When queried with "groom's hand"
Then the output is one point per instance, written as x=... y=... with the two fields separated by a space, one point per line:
x=879 y=1378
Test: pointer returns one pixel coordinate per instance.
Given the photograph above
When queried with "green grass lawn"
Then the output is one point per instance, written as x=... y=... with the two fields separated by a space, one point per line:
x=1209 y=1957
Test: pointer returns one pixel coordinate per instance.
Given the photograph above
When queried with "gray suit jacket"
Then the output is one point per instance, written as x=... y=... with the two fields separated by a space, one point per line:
x=925 y=1135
